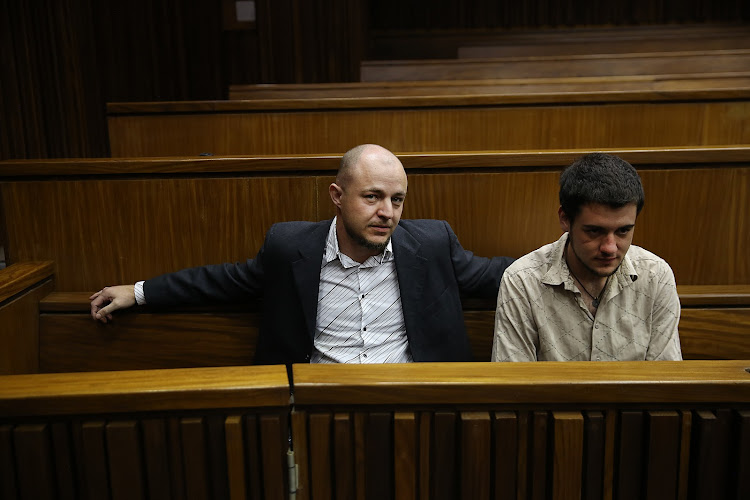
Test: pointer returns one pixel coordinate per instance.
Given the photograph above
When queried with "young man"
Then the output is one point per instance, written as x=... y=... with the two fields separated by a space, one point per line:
x=361 y=288
x=590 y=295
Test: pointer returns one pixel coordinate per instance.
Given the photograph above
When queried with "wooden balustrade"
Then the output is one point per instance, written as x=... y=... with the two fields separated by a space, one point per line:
x=426 y=430
x=523 y=430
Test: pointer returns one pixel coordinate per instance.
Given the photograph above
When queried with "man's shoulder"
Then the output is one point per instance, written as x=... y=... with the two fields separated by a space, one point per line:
x=422 y=229
x=296 y=227
x=647 y=264
x=535 y=263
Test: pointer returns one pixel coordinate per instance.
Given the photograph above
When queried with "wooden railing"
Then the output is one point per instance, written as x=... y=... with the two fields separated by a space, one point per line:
x=457 y=430
x=523 y=430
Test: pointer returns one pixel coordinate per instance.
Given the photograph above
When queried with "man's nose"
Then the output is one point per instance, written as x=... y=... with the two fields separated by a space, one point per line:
x=386 y=209
x=609 y=244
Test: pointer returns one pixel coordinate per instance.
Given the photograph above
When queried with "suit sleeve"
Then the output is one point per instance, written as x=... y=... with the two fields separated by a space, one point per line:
x=477 y=276
x=220 y=283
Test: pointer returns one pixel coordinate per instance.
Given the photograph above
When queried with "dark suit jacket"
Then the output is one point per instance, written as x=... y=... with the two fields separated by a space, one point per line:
x=433 y=272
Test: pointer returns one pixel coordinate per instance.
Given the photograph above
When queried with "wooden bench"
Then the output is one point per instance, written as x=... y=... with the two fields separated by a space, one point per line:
x=509 y=122
x=55 y=332
x=201 y=433
x=397 y=91
x=651 y=63
x=446 y=44
x=114 y=221
x=523 y=430
x=456 y=430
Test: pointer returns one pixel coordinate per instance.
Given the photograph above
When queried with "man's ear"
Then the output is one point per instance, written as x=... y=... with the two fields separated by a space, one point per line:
x=564 y=220
x=336 y=192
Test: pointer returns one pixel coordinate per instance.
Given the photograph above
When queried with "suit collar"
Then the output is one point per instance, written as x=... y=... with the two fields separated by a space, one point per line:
x=306 y=270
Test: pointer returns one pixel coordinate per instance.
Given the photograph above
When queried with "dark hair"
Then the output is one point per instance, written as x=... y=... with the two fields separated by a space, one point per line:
x=599 y=178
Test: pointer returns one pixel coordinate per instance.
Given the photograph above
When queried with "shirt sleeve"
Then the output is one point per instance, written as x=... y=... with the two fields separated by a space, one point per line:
x=664 y=344
x=516 y=336
x=140 y=298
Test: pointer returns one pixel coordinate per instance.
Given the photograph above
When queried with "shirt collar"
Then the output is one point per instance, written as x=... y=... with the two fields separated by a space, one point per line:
x=559 y=274
x=332 y=251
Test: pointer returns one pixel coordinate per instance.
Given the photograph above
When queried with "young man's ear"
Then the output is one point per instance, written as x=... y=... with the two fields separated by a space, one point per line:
x=336 y=192
x=564 y=220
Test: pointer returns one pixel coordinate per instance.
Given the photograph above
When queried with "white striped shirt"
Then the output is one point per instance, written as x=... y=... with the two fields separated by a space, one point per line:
x=360 y=319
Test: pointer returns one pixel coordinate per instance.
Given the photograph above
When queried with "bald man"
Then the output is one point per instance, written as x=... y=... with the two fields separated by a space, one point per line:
x=365 y=287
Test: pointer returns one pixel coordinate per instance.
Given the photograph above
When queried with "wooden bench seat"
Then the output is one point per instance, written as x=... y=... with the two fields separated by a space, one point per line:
x=446 y=44
x=652 y=63
x=396 y=91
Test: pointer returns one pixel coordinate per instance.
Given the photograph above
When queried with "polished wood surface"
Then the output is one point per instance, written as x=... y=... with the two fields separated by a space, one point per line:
x=446 y=43
x=218 y=210
x=524 y=430
x=335 y=94
x=200 y=433
x=143 y=390
x=21 y=288
x=70 y=343
x=697 y=61
x=618 y=122
x=537 y=383
x=18 y=277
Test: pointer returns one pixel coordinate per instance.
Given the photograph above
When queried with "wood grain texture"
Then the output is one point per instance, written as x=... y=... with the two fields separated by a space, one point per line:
x=33 y=450
x=458 y=124
x=431 y=383
x=235 y=457
x=72 y=343
x=476 y=445
x=19 y=331
x=142 y=390
x=125 y=459
x=663 y=451
x=406 y=464
x=590 y=64
x=567 y=459
x=22 y=276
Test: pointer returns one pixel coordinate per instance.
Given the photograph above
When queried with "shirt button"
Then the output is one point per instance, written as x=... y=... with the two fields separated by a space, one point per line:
x=364 y=355
x=596 y=325
x=598 y=358
x=364 y=329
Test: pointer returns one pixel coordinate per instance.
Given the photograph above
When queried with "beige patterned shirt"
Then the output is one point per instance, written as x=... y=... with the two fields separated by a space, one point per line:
x=542 y=316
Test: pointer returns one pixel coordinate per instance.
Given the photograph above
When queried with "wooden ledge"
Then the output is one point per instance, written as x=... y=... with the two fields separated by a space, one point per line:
x=18 y=277
x=144 y=390
x=588 y=383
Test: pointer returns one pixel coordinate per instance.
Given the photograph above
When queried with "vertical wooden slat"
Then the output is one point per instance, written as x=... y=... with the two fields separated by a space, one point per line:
x=175 y=452
x=567 y=459
x=524 y=464
x=36 y=477
x=476 y=439
x=274 y=438
x=321 y=477
x=156 y=455
x=444 y=484
x=361 y=420
x=593 y=455
x=538 y=456
x=64 y=462
x=379 y=456
x=629 y=468
x=7 y=464
x=742 y=459
x=299 y=440
x=254 y=457
x=703 y=461
x=662 y=465
x=194 y=457
x=405 y=464
x=217 y=456
x=610 y=431
x=425 y=455
x=95 y=459
x=125 y=460
x=686 y=425
x=506 y=455
x=343 y=455
x=235 y=444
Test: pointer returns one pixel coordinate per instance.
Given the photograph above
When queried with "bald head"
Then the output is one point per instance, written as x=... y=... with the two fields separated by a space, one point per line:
x=369 y=156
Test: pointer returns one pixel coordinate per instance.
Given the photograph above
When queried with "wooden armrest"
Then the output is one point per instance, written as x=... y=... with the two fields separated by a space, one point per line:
x=18 y=277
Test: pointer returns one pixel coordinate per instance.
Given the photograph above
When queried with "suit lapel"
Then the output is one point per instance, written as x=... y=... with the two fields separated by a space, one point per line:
x=306 y=272
x=411 y=268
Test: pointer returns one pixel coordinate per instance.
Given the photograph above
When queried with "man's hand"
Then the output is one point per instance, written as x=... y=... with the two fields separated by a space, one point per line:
x=109 y=299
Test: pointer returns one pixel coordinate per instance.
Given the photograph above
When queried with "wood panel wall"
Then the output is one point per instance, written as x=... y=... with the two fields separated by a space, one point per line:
x=140 y=221
x=62 y=61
